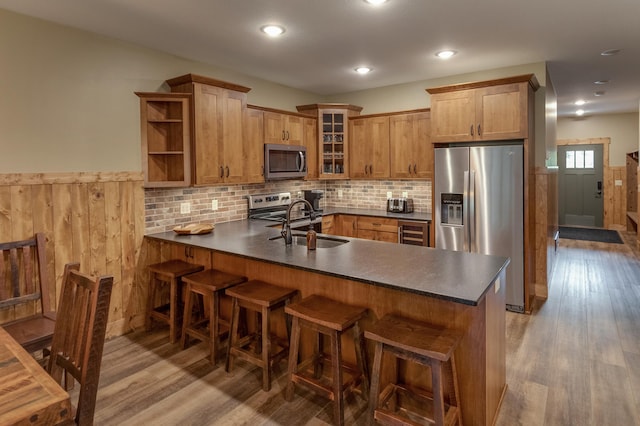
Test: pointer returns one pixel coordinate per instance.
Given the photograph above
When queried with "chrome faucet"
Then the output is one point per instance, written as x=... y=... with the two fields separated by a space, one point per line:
x=286 y=226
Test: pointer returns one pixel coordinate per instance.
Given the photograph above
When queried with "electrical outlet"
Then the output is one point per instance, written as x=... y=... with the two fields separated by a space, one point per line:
x=214 y=205
x=299 y=194
x=405 y=194
x=185 y=208
x=389 y=194
x=340 y=193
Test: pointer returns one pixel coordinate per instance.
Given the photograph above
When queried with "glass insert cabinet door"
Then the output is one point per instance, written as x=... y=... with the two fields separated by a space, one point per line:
x=333 y=143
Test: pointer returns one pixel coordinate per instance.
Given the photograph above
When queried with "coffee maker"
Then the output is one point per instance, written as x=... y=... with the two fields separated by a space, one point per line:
x=313 y=196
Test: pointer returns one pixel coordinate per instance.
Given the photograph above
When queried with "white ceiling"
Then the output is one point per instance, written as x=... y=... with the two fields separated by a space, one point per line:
x=326 y=39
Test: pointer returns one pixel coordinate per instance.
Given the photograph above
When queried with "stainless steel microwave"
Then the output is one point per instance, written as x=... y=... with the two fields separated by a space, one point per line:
x=284 y=161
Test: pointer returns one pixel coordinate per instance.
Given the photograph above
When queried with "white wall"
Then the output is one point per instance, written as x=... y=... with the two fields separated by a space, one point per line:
x=67 y=98
x=621 y=128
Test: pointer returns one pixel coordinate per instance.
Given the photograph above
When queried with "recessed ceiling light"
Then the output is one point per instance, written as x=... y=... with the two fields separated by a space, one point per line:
x=375 y=2
x=601 y=82
x=580 y=112
x=599 y=93
x=580 y=102
x=272 y=30
x=445 y=54
x=364 y=70
x=610 y=52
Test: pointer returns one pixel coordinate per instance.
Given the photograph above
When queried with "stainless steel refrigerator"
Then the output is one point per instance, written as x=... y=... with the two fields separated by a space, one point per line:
x=479 y=206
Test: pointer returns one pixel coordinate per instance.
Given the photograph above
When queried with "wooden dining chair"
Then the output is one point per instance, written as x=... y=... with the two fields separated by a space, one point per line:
x=24 y=288
x=79 y=336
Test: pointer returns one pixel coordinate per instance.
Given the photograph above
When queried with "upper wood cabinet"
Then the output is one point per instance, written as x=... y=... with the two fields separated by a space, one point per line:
x=166 y=144
x=310 y=131
x=482 y=111
x=410 y=145
x=283 y=128
x=218 y=143
x=254 y=145
x=369 y=147
x=333 y=137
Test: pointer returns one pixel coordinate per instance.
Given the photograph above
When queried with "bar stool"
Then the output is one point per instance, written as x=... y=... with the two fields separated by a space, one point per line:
x=423 y=344
x=167 y=273
x=330 y=318
x=209 y=285
x=261 y=347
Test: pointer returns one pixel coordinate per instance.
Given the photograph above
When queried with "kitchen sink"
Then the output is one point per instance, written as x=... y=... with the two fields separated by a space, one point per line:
x=321 y=241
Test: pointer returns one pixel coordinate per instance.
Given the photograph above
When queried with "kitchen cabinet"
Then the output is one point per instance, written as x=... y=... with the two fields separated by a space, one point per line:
x=411 y=150
x=165 y=134
x=369 y=147
x=378 y=229
x=218 y=144
x=333 y=140
x=483 y=111
x=347 y=225
x=328 y=225
x=310 y=138
x=254 y=148
x=283 y=128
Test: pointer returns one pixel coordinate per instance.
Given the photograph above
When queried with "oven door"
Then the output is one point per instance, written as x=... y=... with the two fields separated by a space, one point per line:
x=284 y=161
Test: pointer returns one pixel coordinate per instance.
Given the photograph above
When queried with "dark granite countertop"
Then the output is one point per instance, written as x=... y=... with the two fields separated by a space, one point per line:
x=378 y=213
x=455 y=276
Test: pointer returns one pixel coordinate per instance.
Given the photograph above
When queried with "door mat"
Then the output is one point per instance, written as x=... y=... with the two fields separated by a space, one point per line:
x=590 y=234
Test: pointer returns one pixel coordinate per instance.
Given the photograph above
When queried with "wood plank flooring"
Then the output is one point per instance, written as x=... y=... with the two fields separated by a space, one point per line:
x=574 y=361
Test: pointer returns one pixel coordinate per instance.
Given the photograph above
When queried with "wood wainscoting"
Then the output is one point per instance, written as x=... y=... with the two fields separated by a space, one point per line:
x=96 y=219
x=546 y=228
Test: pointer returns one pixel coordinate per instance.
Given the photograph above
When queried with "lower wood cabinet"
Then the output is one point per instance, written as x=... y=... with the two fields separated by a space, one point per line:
x=378 y=229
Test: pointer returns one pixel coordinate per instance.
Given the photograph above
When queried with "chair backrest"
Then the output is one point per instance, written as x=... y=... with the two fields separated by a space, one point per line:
x=24 y=282
x=79 y=335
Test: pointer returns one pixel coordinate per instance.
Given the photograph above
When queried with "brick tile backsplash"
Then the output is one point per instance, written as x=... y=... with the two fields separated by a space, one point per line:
x=162 y=205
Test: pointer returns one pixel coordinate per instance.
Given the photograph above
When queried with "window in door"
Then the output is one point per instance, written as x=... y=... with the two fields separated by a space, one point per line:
x=583 y=159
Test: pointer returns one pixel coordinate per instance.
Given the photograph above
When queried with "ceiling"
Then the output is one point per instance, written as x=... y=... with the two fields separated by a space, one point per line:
x=326 y=39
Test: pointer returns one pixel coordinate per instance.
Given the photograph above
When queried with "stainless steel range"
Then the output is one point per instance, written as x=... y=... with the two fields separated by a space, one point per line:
x=273 y=207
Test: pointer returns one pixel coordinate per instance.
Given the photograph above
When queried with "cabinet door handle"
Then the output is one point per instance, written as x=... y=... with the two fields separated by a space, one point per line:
x=262 y=172
x=227 y=171
x=471 y=129
x=415 y=169
x=288 y=135
x=479 y=132
x=283 y=135
x=409 y=168
x=221 y=172
x=370 y=169
x=365 y=169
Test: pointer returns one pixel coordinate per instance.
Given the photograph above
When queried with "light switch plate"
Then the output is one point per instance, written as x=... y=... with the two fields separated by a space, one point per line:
x=389 y=194
x=185 y=208
x=214 y=204
x=618 y=182
x=405 y=194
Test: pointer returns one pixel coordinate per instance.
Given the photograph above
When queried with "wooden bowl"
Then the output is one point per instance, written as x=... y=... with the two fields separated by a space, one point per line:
x=194 y=229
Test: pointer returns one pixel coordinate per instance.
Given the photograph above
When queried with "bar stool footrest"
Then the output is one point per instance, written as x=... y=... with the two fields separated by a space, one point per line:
x=323 y=385
x=245 y=348
x=401 y=404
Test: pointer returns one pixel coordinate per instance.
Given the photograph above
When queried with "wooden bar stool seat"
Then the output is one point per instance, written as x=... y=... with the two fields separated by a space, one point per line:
x=260 y=348
x=421 y=343
x=210 y=327
x=327 y=317
x=162 y=274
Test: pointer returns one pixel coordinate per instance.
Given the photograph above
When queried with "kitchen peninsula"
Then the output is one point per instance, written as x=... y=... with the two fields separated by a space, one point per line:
x=460 y=290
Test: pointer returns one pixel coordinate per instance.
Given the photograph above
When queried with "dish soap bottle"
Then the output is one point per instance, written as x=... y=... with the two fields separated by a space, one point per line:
x=311 y=238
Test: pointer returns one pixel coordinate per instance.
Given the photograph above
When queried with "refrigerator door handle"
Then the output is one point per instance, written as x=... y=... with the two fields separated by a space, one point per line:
x=471 y=203
x=465 y=212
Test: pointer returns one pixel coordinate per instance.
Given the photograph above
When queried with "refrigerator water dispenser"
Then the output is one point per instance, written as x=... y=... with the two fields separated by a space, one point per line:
x=451 y=209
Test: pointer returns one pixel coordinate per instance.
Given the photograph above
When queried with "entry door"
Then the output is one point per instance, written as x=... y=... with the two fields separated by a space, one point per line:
x=580 y=185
